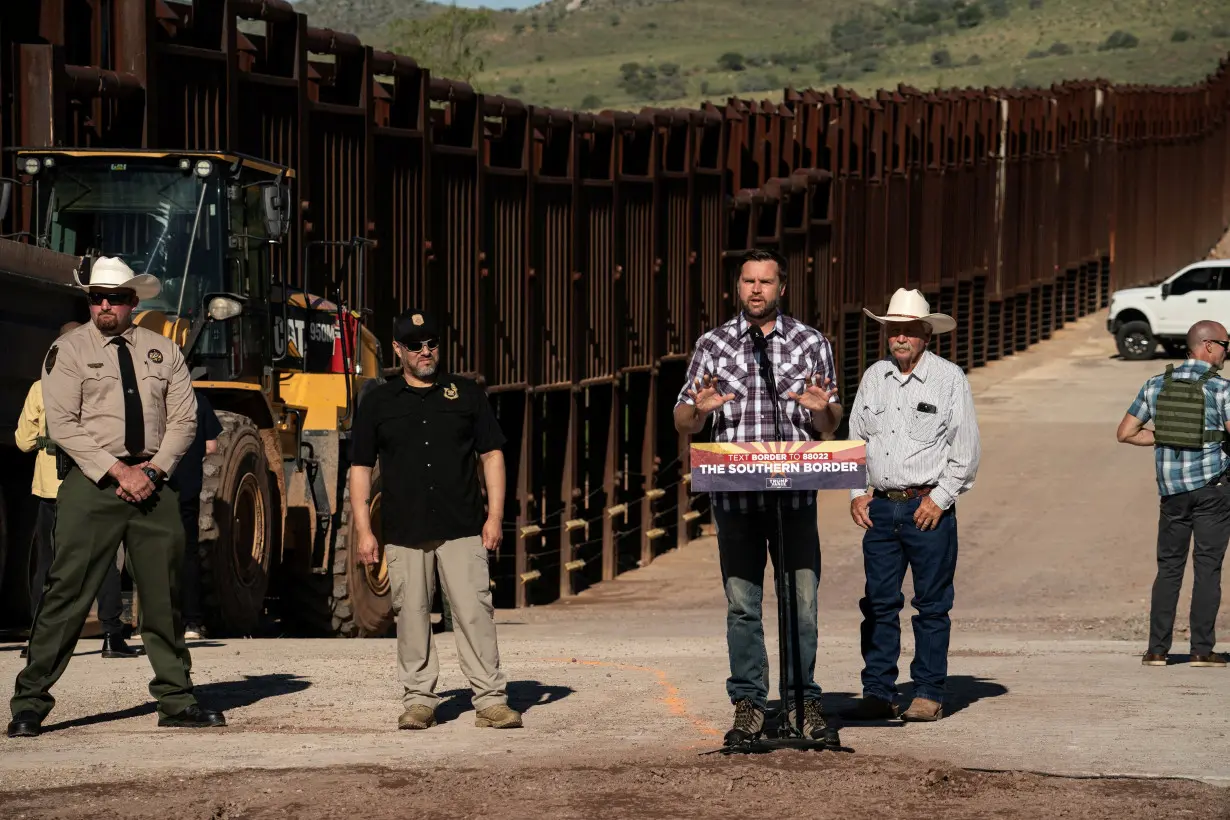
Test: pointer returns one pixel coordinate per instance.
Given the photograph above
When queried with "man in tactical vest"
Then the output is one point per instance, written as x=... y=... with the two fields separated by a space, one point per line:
x=1189 y=406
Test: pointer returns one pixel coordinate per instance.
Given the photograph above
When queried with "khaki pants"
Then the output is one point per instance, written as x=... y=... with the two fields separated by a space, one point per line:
x=467 y=583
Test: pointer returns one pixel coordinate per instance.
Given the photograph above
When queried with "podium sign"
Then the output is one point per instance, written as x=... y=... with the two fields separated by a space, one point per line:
x=779 y=465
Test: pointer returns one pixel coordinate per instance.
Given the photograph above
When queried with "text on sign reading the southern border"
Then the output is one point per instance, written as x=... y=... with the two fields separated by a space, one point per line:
x=781 y=467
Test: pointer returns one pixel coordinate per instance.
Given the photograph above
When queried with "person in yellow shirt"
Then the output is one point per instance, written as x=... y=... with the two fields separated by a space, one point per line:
x=32 y=435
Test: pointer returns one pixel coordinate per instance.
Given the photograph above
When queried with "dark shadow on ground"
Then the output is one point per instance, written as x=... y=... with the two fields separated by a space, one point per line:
x=523 y=695
x=221 y=696
x=963 y=691
x=1175 y=660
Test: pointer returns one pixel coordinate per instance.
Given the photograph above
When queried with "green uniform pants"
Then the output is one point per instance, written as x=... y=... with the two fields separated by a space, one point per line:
x=92 y=521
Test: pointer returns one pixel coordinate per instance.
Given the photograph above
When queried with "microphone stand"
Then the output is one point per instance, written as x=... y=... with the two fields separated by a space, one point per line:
x=788 y=736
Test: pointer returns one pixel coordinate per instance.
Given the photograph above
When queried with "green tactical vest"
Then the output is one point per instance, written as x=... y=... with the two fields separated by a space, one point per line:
x=1179 y=418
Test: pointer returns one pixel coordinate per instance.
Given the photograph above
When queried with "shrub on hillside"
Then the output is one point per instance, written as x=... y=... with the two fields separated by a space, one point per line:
x=996 y=8
x=591 y=101
x=1220 y=31
x=974 y=59
x=731 y=61
x=941 y=58
x=758 y=82
x=1119 y=39
x=912 y=34
x=858 y=33
x=970 y=16
x=1060 y=49
x=1180 y=36
x=1034 y=5
x=1035 y=54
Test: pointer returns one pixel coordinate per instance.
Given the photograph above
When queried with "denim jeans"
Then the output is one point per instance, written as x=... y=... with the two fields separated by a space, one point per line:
x=745 y=538
x=893 y=543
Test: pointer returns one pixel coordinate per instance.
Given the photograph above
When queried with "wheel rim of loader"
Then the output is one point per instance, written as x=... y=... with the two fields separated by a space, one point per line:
x=248 y=531
x=377 y=576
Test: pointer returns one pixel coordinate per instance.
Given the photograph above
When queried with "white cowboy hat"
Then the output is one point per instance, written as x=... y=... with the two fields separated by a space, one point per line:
x=911 y=305
x=110 y=273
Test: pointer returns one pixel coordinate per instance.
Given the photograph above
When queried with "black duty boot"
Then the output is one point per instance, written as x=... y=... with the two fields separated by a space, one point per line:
x=25 y=724
x=115 y=647
x=749 y=723
x=194 y=717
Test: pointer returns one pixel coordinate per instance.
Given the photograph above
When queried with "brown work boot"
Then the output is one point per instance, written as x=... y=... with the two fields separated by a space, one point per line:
x=1153 y=659
x=871 y=708
x=417 y=716
x=1211 y=659
x=922 y=709
x=500 y=716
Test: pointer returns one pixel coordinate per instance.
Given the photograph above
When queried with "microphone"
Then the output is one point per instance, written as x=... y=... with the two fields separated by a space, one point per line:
x=762 y=348
x=758 y=340
x=766 y=373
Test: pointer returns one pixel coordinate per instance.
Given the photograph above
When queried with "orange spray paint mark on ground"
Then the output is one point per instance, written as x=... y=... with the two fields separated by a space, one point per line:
x=671 y=698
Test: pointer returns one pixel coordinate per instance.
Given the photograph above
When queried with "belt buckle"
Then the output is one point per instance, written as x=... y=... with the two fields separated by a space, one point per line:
x=898 y=495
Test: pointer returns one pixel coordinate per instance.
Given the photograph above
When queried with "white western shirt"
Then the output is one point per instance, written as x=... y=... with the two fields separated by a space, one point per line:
x=911 y=447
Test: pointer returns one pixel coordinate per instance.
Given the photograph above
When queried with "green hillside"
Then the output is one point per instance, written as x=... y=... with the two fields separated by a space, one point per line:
x=628 y=53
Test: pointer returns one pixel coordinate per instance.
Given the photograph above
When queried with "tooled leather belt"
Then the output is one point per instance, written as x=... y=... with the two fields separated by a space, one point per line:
x=907 y=494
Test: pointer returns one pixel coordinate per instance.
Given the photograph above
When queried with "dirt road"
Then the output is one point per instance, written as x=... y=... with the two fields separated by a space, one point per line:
x=623 y=687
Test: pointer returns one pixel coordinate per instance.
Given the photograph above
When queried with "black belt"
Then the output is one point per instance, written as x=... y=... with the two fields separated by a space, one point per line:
x=907 y=494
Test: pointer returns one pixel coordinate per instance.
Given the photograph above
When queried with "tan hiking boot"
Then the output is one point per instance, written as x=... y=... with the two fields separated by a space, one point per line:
x=749 y=723
x=922 y=709
x=417 y=717
x=500 y=716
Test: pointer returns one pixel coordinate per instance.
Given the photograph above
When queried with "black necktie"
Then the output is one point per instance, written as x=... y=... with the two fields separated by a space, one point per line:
x=134 y=417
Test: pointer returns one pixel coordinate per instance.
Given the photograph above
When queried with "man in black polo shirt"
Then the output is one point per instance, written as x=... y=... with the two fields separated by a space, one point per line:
x=431 y=432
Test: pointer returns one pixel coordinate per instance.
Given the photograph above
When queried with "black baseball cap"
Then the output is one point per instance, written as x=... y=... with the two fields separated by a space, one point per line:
x=415 y=326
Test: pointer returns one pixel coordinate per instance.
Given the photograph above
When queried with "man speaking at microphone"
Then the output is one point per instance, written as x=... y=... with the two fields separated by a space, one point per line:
x=726 y=380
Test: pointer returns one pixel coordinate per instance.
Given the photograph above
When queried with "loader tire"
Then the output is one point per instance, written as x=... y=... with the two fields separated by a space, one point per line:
x=352 y=600
x=236 y=529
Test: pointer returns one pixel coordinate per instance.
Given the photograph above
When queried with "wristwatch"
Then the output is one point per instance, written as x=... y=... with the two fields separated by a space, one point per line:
x=152 y=474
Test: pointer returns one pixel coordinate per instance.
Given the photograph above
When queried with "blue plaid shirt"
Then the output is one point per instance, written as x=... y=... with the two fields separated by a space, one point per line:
x=1181 y=471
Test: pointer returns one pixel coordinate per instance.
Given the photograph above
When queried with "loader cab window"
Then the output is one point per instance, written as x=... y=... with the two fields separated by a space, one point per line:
x=160 y=220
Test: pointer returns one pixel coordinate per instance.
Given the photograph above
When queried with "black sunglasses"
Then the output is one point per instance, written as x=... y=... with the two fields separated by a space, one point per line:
x=1225 y=344
x=115 y=298
x=415 y=347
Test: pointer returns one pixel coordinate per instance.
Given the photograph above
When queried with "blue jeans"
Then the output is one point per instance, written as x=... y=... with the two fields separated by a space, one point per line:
x=744 y=540
x=893 y=543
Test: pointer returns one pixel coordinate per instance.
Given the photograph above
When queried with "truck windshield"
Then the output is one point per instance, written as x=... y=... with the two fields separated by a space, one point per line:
x=160 y=221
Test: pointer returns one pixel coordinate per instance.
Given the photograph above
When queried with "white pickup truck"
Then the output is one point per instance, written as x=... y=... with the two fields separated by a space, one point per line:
x=1141 y=317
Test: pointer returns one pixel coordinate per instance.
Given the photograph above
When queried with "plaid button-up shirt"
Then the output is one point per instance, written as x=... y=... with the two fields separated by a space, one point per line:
x=726 y=353
x=1181 y=471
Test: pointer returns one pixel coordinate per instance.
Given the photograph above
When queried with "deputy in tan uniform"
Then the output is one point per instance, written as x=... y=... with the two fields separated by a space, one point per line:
x=31 y=436
x=120 y=405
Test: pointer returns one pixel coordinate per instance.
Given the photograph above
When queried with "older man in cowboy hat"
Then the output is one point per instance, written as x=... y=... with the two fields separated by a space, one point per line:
x=916 y=413
x=120 y=406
